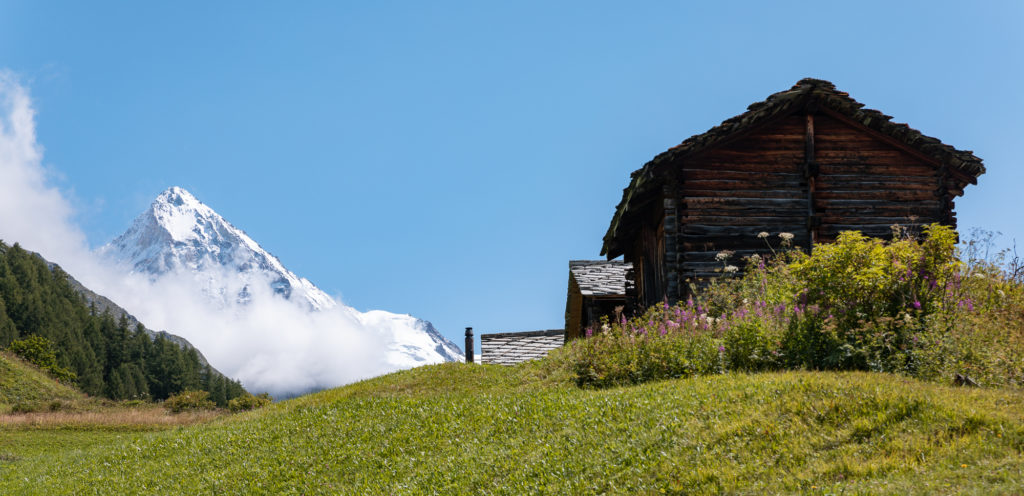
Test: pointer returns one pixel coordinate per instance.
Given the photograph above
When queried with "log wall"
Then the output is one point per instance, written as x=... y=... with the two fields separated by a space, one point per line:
x=867 y=184
x=730 y=194
x=811 y=174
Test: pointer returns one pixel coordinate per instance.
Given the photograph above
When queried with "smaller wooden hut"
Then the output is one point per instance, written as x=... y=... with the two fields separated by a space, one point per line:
x=596 y=288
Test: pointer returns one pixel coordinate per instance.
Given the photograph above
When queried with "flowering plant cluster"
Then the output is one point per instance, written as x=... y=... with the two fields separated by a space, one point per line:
x=908 y=306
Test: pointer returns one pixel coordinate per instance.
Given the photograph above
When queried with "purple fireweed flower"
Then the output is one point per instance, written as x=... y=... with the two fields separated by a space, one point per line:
x=721 y=348
x=917 y=304
x=590 y=332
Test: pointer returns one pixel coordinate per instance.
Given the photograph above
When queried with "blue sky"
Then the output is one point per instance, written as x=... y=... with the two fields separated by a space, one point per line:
x=448 y=159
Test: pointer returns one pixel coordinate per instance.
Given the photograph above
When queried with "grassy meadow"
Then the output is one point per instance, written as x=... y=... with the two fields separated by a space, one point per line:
x=823 y=373
x=470 y=429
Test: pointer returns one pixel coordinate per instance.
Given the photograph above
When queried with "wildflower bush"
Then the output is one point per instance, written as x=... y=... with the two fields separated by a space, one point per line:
x=908 y=306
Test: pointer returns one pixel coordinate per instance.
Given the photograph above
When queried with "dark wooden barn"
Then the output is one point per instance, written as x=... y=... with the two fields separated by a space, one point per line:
x=810 y=161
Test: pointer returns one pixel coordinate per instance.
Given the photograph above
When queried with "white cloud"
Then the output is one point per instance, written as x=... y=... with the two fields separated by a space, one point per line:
x=272 y=346
x=32 y=212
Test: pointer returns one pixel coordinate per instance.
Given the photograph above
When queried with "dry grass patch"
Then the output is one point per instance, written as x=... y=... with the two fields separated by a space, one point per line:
x=150 y=417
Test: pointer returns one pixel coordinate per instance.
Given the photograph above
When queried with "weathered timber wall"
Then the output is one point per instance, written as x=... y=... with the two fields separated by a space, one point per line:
x=867 y=184
x=730 y=194
x=648 y=257
x=809 y=174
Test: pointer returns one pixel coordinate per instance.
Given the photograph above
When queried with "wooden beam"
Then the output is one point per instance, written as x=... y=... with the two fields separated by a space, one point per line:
x=811 y=172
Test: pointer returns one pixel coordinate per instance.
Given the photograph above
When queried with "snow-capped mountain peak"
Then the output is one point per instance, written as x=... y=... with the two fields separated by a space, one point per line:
x=180 y=233
x=181 y=240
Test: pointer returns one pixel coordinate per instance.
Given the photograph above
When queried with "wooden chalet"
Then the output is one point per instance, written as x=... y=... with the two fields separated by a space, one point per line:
x=597 y=288
x=810 y=161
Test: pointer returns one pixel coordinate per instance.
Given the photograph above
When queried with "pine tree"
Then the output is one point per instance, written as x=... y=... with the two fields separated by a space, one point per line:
x=8 y=332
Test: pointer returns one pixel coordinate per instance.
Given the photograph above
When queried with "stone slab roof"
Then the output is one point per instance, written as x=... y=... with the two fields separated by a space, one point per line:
x=600 y=277
x=509 y=348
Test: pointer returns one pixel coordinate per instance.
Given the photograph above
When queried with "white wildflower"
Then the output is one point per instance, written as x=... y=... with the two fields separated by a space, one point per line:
x=724 y=255
x=763 y=234
x=786 y=236
x=729 y=269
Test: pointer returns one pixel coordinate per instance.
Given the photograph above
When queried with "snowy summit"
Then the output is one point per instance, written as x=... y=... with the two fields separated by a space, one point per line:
x=179 y=235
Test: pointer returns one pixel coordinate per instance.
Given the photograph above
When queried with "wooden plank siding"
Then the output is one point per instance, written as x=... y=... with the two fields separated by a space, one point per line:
x=728 y=195
x=867 y=184
x=759 y=183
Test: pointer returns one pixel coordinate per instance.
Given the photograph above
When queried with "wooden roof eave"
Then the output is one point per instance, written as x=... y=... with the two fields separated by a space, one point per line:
x=625 y=221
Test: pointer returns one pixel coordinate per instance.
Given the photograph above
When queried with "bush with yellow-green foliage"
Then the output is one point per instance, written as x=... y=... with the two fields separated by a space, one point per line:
x=189 y=401
x=248 y=401
x=910 y=306
x=40 y=352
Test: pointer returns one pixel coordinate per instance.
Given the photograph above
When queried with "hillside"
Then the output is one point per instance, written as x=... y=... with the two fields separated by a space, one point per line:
x=466 y=429
x=106 y=355
x=22 y=383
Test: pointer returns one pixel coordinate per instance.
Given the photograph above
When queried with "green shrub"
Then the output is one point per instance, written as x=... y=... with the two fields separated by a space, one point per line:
x=249 y=402
x=189 y=401
x=908 y=306
x=40 y=352
x=27 y=407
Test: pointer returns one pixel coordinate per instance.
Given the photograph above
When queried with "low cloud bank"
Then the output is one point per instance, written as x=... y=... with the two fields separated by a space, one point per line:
x=271 y=344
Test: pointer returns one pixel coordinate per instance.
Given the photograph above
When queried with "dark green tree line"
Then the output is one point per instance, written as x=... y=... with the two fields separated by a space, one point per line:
x=106 y=355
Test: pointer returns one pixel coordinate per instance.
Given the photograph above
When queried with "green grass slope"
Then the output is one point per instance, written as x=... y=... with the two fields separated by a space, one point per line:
x=466 y=429
x=22 y=384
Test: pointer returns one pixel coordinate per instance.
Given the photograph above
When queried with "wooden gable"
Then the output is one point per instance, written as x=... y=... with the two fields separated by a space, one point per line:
x=808 y=161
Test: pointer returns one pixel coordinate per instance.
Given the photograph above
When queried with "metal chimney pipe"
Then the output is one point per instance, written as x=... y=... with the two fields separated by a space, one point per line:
x=469 y=345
